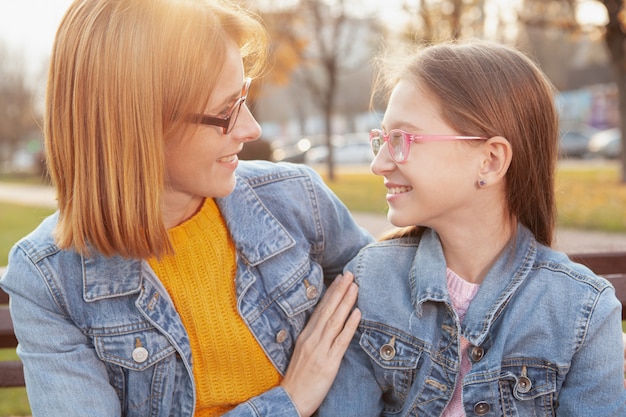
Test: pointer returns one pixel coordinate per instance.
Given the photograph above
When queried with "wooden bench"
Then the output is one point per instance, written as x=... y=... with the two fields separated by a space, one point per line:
x=11 y=372
x=609 y=265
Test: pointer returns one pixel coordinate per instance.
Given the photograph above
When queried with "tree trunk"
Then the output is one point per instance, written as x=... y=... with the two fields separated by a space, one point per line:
x=615 y=40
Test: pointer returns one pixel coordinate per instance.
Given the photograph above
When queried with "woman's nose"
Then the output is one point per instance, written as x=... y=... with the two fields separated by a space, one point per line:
x=247 y=128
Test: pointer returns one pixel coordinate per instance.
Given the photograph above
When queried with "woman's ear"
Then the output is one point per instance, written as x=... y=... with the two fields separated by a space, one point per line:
x=497 y=154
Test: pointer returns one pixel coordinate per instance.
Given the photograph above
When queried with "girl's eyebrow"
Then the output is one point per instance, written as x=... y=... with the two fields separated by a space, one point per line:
x=407 y=126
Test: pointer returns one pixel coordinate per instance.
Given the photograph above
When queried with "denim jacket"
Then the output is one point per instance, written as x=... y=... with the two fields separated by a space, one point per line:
x=100 y=336
x=544 y=333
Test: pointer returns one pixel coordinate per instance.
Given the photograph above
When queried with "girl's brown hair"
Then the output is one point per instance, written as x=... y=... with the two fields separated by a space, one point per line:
x=123 y=78
x=488 y=89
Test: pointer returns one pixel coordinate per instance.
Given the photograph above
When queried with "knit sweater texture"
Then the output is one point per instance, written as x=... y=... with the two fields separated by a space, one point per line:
x=229 y=366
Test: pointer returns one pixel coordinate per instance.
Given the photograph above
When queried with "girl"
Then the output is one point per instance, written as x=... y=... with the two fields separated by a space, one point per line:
x=468 y=311
x=169 y=284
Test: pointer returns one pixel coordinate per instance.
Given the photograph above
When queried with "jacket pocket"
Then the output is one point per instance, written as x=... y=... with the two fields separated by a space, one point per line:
x=142 y=366
x=304 y=292
x=529 y=386
x=135 y=350
x=395 y=356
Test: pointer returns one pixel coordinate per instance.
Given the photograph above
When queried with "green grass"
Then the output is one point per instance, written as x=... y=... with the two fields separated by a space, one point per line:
x=15 y=222
x=591 y=197
x=13 y=401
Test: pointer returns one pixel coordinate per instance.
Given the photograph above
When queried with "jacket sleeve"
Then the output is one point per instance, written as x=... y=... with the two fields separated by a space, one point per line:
x=343 y=237
x=275 y=402
x=64 y=376
x=594 y=385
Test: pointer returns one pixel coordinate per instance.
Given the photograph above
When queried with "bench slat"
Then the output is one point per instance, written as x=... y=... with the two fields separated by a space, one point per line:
x=11 y=374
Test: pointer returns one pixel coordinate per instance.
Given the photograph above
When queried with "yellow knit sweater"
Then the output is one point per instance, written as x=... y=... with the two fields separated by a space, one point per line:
x=229 y=366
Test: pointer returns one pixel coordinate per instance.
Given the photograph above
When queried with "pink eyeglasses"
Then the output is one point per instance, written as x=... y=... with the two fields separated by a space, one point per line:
x=399 y=141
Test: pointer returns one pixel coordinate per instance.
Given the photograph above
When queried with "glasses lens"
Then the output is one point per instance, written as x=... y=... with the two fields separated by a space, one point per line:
x=234 y=115
x=237 y=107
x=376 y=140
x=397 y=145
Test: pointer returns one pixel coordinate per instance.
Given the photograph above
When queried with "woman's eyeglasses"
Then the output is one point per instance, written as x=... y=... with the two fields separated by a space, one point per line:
x=399 y=141
x=228 y=122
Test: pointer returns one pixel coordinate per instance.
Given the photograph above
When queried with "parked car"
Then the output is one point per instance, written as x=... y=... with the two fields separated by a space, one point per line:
x=290 y=151
x=574 y=142
x=346 y=153
x=606 y=143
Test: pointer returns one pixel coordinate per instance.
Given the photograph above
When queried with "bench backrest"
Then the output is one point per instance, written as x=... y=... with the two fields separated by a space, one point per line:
x=609 y=265
x=11 y=372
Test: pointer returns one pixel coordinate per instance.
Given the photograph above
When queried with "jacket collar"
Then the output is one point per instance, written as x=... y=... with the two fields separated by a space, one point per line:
x=257 y=234
x=428 y=280
x=107 y=277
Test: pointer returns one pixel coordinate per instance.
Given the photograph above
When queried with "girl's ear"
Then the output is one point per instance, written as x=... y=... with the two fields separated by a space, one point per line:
x=497 y=154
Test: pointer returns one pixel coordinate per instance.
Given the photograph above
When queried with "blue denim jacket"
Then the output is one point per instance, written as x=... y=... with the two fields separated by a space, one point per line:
x=544 y=332
x=100 y=336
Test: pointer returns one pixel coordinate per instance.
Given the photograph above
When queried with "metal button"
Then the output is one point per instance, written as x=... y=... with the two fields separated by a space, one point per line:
x=481 y=408
x=281 y=336
x=311 y=292
x=477 y=353
x=140 y=354
x=523 y=382
x=524 y=385
x=388 y=351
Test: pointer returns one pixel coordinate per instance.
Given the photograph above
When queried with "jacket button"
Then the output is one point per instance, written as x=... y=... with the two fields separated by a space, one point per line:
x=477 y=353
x=388 y=351
x=140 y=354
x=524 y=385
x=481 y=408
x=311 y=292
x=281 y=336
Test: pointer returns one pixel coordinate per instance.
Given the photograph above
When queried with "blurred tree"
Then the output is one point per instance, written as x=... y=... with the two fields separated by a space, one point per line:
x=17 y=113
x=319 y=35
x=436 y=20
x=615 y=37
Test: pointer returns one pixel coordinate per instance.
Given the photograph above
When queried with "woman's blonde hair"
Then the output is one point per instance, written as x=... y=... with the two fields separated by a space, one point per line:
x=124 y=76
x=488 y=89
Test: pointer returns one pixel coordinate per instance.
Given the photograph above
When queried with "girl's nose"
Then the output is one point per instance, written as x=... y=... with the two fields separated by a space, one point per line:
x=382 y=163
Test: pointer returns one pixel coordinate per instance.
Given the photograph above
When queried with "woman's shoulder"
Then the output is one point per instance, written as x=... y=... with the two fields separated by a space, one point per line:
x=259 y=172
x=40 y=242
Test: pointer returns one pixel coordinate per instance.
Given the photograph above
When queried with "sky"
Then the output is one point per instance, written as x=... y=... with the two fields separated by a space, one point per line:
x=28 y=26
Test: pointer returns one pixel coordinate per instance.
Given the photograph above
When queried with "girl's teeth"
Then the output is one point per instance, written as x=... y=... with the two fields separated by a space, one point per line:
x=398 y=190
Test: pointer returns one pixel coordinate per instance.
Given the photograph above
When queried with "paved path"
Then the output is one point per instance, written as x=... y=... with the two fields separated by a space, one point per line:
x=568 y=240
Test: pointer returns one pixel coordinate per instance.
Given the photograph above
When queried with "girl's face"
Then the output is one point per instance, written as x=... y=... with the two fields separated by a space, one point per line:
x=202 y=164
x=436 y=186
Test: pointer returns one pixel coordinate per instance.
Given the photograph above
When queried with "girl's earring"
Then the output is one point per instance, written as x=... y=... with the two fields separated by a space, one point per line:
x=482 y=183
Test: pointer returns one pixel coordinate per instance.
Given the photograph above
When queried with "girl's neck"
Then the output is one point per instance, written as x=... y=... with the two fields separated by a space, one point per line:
x=472 y=250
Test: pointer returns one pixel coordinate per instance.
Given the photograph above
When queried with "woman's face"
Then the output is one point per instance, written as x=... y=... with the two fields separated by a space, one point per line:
x=202 y=164
x=437 y=183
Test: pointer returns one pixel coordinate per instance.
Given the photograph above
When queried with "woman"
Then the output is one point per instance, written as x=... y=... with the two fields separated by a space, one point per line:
x=468 y=311
x=169 y=284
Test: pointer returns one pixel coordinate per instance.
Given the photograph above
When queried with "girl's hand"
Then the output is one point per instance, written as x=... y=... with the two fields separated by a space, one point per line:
x=321 y=346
